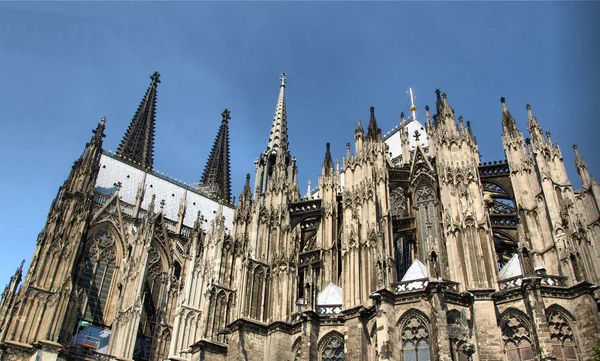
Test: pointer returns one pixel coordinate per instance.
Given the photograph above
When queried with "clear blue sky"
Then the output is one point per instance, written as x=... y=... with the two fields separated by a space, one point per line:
x=64 y=65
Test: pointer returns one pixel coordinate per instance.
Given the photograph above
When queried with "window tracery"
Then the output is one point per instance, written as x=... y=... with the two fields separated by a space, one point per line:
x=398 y=203
x=562 y=338
x=516 y=334
x=333 y=348
x=428 y=220
x=98 y=270
x=415 y=340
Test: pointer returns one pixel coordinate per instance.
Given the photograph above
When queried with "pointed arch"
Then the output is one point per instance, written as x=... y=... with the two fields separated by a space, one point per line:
x=331 y=347
x=562 y=337
x=516 y=333
x=415 y=333
x=458 y=332
x=297 y=349
x=102 y=252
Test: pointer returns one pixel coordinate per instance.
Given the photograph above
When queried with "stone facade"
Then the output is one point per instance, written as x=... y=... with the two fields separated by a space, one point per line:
x=409 y=250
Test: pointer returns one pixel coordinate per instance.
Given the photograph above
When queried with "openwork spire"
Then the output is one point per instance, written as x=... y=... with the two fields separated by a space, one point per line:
x=279 y=137
x=138 y=143
x=217 y=174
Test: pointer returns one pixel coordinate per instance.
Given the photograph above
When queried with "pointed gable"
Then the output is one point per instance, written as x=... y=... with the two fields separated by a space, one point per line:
x=511 y=269
x=331 y=295
x=416 y=271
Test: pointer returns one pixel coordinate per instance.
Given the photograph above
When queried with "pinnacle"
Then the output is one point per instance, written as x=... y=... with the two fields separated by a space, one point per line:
x=138 y=142
x=279 y=136
x=217 y=173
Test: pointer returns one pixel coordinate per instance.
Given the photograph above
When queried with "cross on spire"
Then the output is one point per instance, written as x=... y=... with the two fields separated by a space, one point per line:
x=226 y=115
x=283 y=79
x=417 y=135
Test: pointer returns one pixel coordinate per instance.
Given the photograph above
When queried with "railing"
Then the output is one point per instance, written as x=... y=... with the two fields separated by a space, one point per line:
x=510 y=283
x=412 y=285
x=329 y=310
x=557 y=281
x=100 y=198
x=496 y=168
x=517 y=281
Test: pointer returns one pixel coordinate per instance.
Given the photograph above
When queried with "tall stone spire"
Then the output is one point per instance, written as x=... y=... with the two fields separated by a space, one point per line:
x=279 y=136
x=217 y=174
x=138 y=143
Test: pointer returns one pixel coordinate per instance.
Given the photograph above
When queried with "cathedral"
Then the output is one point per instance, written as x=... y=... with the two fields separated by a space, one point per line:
x=409 y=248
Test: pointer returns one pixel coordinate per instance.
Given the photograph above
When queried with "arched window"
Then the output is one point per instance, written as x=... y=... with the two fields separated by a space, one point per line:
x=332 y=348
x=458 y=334
x=516 y=333
x=415 y=339
x=98 y=269
x=427 y=220
x=561 y=336
x=296 y=351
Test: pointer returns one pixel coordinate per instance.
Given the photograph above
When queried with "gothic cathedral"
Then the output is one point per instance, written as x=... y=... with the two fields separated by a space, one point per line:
x=409 y=249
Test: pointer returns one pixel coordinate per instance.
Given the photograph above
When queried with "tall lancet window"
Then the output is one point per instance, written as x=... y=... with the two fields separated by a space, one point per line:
x=152 y=293
x=98 y=269
x=428 y=220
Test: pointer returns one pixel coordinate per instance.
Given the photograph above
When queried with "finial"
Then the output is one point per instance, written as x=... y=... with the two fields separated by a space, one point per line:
x=417 y=135
x=527 y=106
x=575 y=147
x=328 y=146
x=155 y=77
x=427 y=108
x=247 y=176
x=162 y=203
x=502 y=100
x=283 y=79
x=402 y=115
x=226 y=115
x=444 y=95
x=372 y=109
x=103 y=120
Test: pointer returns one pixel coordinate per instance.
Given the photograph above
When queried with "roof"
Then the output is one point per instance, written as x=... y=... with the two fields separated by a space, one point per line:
x=416 y=271
x=331 y=295
x=511 y=269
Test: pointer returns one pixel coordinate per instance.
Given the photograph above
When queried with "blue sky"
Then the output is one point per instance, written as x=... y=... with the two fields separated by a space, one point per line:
x=63 y=65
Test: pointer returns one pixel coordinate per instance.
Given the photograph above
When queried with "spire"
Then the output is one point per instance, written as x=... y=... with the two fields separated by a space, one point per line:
x=246 y=192
x=532 y=122
x=328 y=161
x=279 y=136
x=428 y=117
x=582 y=169
x=138 y=142
x=508 y=122
x=579 y=161
x=217 y=173
x=373 y=130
